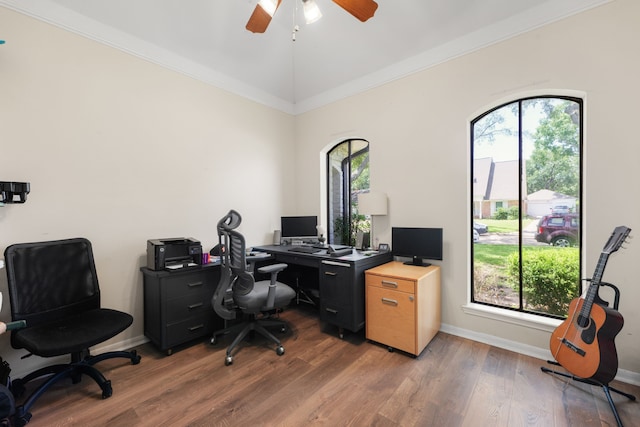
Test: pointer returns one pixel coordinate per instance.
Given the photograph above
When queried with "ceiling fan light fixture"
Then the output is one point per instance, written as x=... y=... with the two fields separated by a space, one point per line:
x=269 y=6
x=311 y=11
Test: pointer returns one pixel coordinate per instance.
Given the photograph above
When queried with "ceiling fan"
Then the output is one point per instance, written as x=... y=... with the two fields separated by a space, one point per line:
x=262 y=14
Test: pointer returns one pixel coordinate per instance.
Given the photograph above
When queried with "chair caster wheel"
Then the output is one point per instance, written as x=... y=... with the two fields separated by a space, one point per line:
x=228 y=360
x=280 y=350
x=283 y=329
x=107 y=391
x=213 y=340
x=23 y=420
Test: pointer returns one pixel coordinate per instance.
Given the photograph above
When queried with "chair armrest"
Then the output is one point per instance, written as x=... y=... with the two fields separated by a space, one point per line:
x=273 y=268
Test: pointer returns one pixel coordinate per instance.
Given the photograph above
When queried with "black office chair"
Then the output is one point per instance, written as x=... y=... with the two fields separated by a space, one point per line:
x=238 y=292
x=53 y=286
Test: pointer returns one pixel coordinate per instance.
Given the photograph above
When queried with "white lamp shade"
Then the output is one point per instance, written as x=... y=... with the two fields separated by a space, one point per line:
x=372 y=203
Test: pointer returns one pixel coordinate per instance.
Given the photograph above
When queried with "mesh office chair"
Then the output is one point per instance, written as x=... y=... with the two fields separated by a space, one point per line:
x=238 y=292
x=53 y=286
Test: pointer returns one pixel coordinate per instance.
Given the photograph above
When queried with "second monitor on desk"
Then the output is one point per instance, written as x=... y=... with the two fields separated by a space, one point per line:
x=303 y=230
x=299 y=229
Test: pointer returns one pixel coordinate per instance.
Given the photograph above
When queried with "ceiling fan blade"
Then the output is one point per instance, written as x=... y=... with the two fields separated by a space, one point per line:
x=361 y=9
x=259 y=20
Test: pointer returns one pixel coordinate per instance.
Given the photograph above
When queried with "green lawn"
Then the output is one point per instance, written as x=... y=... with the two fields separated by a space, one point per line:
x=492 y=254
x=497 y=254
x=504 y=225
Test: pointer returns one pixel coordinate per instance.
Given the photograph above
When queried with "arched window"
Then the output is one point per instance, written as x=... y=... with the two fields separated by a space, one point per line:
x=526 y=169
x=347 y=176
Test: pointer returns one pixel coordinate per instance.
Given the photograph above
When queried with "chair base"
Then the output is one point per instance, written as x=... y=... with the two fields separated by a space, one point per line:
x=243 y=329
x=605 y=387
x=81 y=364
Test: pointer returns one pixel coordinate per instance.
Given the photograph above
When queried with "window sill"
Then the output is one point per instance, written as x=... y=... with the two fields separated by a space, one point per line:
x=522 y=319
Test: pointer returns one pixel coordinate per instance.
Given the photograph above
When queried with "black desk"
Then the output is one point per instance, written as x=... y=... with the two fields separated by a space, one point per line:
x=340 y=281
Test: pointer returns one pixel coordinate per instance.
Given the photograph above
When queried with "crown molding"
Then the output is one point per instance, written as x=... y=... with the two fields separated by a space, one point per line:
x=536 y=17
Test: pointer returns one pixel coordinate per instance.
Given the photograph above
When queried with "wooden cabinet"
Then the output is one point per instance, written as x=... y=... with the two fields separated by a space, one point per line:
x=177 y=305
x=403 y=305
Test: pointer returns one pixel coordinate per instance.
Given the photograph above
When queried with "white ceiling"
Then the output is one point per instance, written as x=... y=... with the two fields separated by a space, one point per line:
x=333 y=58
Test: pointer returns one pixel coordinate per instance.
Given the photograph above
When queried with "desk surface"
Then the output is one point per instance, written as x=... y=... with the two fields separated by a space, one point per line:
x=401 y=270
x=355 y=255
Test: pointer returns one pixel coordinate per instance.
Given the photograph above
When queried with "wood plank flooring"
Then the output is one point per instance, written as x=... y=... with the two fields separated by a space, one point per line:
x=323 y=380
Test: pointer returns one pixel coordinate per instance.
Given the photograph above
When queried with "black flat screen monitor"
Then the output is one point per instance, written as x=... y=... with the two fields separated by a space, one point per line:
x=300 y=227
x=417 y=243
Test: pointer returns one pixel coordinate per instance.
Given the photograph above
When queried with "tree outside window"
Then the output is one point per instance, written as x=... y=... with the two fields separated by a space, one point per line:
x=348 y=176
x=527 y=173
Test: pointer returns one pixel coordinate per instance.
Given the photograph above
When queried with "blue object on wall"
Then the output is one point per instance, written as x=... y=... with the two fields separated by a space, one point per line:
x=1 y=41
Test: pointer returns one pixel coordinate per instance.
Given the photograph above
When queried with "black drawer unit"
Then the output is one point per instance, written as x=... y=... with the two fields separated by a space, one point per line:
x=342 y=291
x=177 y=305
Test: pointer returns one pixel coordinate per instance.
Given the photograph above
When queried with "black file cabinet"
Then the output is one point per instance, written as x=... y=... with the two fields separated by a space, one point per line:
x=177 y=305
x=342 y=291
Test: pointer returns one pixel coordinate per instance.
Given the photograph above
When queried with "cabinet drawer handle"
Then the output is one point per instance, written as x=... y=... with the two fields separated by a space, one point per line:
x=337 y=264
x=195 y=328
x=389 y=284
x=389 y=301
x=194 y=284
x=198 y=305
x=331 y=310
x=330 y=273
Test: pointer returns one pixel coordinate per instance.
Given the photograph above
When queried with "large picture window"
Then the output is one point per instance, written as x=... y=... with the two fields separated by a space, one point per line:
x=348 y=176
x=526 y=166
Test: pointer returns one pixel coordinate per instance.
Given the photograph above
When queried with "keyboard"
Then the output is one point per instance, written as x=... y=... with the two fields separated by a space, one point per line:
x=305 y=249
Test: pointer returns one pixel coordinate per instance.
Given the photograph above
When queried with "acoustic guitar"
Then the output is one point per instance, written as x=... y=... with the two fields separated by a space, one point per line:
x=583 y=344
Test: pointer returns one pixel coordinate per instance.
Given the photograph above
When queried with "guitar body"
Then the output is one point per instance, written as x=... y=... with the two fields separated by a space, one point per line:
x=588 y=351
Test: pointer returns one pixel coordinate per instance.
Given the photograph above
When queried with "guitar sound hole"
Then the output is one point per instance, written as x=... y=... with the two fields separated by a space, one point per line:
x=583 y=322
x=588 y=334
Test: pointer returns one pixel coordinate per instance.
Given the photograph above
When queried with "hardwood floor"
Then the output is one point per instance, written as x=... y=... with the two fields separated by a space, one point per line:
x=323 y=380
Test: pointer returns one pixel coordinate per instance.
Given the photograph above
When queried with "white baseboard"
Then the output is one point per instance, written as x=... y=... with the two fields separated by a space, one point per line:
x=624 y=376
x=121 y=345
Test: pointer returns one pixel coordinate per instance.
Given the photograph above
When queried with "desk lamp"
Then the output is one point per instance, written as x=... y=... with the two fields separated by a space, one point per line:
x=372 y=203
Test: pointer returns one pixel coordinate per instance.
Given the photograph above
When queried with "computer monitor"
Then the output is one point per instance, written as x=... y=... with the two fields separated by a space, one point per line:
x=299 y=227
x=417 y=243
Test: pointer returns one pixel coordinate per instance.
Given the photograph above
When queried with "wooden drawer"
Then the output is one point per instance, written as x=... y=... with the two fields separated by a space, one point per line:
x=391 y=318
x=392 y=283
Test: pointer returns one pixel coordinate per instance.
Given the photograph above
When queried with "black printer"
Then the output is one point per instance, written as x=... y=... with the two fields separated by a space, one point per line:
x=174 y=253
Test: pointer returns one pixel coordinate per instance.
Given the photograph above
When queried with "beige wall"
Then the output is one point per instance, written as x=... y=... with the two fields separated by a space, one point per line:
x=120 y=150
x=417 y=128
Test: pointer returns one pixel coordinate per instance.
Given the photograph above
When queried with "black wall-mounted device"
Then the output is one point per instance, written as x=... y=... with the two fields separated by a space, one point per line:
x=14 y=192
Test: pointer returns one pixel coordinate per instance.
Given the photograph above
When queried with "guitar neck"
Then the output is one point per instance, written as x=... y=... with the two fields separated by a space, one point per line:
x=592 y=292
x=602 y=262
x=615 y=241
